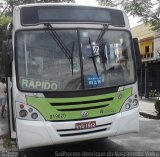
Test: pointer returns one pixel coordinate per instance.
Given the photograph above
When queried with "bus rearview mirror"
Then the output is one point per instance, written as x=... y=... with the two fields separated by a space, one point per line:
x=137 y=54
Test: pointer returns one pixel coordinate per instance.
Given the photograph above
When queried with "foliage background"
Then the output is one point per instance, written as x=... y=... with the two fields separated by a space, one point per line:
x=147 y=10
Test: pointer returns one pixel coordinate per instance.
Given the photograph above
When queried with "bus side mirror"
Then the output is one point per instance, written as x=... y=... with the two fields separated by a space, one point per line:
x=7 y=56
x=137 y=54
x=9 y=31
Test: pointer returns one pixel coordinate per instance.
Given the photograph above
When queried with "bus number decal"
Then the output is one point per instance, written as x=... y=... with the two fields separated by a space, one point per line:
x=57 y=116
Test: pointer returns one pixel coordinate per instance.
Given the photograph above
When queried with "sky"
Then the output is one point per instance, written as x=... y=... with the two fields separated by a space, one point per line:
x=133 y=21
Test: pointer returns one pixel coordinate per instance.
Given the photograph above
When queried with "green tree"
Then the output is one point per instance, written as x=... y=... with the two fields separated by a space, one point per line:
x=4 y=20
x=147 y=10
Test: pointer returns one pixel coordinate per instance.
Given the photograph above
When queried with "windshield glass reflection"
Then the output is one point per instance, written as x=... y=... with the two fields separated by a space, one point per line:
x=47 y=63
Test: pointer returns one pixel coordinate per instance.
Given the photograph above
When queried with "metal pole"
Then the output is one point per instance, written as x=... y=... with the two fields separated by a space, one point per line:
x=141 y=80
x=146 y=80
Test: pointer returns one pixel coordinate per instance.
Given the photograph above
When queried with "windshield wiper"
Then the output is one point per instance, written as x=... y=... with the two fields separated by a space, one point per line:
x=93 y=57
x=61 y=44
x=98 y=41
x=58 y=40
x=101 y=34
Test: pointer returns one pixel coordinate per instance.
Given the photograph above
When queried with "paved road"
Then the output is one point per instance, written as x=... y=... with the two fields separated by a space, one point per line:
x=148 y=139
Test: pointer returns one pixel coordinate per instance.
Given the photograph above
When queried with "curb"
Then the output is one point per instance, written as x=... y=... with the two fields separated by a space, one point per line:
x=150 y=116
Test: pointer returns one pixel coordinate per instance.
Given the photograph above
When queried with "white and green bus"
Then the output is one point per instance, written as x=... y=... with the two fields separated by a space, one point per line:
x=71 y=74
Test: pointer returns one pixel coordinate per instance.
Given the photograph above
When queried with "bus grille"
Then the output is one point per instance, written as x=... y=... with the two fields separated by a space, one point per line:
x=75 y=132
x=82 y=105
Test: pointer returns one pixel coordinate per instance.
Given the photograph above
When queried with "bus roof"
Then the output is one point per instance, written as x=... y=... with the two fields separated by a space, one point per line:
x=40 y=13
x=65 y=4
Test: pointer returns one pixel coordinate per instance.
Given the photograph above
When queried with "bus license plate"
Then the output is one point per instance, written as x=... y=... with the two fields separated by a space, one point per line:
x=85 y=125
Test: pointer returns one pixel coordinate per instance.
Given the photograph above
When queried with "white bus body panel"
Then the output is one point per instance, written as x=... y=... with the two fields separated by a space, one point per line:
x=37 y=133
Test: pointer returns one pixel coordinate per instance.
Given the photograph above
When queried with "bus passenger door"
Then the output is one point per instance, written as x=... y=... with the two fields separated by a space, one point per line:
x=7 y=63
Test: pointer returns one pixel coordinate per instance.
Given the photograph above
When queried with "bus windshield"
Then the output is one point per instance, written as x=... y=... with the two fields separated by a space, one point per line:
x=73 y=61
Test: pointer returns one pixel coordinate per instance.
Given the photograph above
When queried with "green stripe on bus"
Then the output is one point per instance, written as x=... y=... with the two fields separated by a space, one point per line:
x=50 y=112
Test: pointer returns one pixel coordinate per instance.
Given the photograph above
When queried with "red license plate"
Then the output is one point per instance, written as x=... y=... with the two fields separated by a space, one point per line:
x=85 y=125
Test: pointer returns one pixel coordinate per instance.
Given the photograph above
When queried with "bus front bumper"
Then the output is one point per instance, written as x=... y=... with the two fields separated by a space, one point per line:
x=41 y=133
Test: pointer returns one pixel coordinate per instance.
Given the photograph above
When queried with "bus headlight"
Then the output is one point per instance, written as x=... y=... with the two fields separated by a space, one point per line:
x=130 y=104
x=34 y=115
x=127 y=106
x=23 y=113
x=30 y=110
x=135 y=102
x=27 y=112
